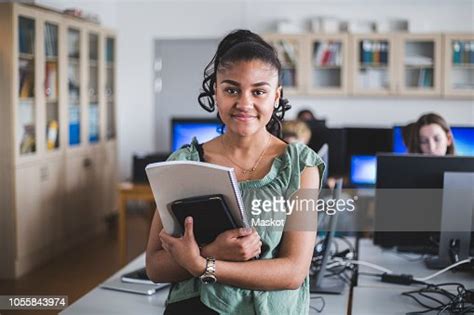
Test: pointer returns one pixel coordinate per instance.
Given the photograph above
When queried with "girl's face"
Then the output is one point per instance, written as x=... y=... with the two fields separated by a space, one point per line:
x=434 y=140
x=246 y=93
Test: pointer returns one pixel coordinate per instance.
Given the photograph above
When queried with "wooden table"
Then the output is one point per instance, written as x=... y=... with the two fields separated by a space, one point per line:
x=129 y=191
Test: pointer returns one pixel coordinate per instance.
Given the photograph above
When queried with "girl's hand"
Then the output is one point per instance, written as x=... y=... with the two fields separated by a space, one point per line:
x=234 y=245
x=185 y=250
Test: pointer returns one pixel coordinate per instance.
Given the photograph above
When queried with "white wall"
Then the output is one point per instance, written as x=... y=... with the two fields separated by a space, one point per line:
x=138 y=23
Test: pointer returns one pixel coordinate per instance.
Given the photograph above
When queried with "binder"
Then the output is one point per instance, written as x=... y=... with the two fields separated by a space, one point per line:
x=174 y=180
x=211 y=216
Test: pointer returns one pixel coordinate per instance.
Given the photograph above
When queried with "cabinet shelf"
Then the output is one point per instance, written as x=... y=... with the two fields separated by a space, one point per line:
x=26 y=99
x=419 y=66
x=26 y=56
x=463 y=66
x=73 y=60
x=373 y=65
x=326 y=67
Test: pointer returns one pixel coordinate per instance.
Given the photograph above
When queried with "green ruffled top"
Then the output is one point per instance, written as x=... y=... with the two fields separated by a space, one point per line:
x=282 y=180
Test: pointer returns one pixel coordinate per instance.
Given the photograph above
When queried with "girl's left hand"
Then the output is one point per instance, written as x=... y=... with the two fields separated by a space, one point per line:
x=185 y=250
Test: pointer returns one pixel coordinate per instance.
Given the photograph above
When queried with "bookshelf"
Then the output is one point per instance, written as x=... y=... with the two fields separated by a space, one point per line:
x=432 y=65
x=420 y=64
x=292 y=55
x=57 y=169
x=373 y=64
x=328 y=70
x=459 y=65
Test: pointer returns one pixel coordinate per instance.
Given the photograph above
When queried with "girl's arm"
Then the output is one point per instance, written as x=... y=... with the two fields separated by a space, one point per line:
x=287 y=271
x=160 y=265
x=231 y=245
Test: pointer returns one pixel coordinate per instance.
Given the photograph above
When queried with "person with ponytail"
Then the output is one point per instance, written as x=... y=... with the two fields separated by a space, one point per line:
x=258 y=270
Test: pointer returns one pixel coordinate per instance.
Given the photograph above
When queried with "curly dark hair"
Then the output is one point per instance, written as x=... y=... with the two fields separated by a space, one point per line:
x=242 y=45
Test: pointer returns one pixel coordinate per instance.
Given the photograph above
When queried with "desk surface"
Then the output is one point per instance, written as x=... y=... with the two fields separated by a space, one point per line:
x=372 y=296
x=100 y=301
x=400 y=263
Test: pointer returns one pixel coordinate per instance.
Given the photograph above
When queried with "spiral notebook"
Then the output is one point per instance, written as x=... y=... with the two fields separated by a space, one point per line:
x=175 y=180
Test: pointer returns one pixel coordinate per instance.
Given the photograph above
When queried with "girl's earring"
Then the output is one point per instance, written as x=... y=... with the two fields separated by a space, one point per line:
x=276 y=105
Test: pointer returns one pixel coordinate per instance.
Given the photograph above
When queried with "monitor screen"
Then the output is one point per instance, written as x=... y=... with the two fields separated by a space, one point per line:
x=183 y=131
x=402 y=179
x=398 y=143
x=463 y=140
x=363 y=169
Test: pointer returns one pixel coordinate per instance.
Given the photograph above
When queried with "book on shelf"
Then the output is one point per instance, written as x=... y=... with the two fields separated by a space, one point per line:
x=28 y=142
x=26 y=35
x=51 y=82
x=287 y=52
x=51 y=35
x=52 y=134
x=375 y=52
x=26 y=78
x=328 y=54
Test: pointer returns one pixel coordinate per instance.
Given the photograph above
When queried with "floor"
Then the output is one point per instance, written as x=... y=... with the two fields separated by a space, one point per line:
x=82 y=268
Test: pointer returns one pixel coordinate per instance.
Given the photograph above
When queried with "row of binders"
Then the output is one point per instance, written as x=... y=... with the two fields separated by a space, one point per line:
x=374 y=52
x=463 y=52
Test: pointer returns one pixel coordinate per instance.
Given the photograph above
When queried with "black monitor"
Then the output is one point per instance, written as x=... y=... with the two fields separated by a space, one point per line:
x=140 y=161
x=415 y=174
x=184 y=129
x=367 y=141
x=335 y=138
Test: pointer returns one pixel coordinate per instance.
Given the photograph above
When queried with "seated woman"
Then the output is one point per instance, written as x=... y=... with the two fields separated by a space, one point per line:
x=431 y=134
x=243 y=82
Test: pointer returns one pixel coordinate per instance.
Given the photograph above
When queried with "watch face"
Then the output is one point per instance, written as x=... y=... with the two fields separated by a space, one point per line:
x=208 y=279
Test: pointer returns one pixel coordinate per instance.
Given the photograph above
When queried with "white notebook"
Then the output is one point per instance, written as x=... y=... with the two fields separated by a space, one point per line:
x=175 y=180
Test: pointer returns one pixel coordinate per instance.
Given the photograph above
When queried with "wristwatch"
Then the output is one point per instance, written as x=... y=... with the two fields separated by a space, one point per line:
x=209 y=275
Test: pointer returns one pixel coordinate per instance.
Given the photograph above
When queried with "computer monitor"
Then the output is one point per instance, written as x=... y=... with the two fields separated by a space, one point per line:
x=463 y=140
x=335 y=138
x=140 y=161
x=397 y=139
x=418 y=176
x=184 y=129
x=363 y=170
x=367 y=141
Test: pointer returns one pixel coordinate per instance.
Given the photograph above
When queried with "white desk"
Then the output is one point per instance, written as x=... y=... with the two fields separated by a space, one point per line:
x=372 y=296
x=101 y=302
